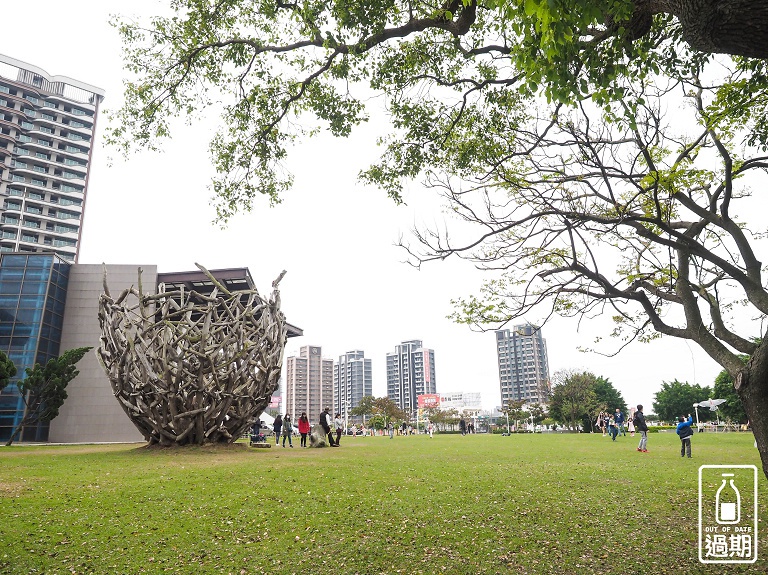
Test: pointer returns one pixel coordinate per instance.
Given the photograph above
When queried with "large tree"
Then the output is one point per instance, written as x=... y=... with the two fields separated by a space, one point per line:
x=544 y=124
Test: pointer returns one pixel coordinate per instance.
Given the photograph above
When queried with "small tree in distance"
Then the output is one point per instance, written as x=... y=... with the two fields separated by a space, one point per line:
x=44 y=389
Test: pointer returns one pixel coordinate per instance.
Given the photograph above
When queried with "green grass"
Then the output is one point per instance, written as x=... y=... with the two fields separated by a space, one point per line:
x=480 y=504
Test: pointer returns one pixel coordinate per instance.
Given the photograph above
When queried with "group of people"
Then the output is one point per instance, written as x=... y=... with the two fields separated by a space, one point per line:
x=466 y=427
x=283 y=428
x=613 y=424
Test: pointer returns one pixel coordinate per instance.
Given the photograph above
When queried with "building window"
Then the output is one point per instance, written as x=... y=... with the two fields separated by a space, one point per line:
x=66 y=188
x=40 y=169
x=17 y=178
x=5 y=89
x=37 y=182
x=22 y=152
x=42 y=156
x=44 y=143
x=24 y=139
x=45 y=129
x=45 y=116
x=27 y=125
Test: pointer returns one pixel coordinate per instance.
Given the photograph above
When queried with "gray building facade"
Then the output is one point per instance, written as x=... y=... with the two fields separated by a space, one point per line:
x=410 y=373
x=352 y=380
x=523 y=365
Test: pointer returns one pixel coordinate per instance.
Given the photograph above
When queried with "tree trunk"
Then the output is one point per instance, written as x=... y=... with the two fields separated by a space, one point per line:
x=752 y=386
x=736 y=27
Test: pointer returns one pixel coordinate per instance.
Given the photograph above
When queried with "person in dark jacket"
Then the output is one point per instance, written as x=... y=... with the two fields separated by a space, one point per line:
x=640 y=425
x=326 y=421
x=685 y=431
x=277 y=428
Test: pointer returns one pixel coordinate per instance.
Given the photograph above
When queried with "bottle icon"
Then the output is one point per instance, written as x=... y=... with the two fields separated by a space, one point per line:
x=728 y=502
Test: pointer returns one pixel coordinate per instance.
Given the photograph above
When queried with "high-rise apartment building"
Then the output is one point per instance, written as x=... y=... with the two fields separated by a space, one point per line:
x=523 y=365
x=352 y=380
x=410 y=373
x=46 y=141
x=308 y=383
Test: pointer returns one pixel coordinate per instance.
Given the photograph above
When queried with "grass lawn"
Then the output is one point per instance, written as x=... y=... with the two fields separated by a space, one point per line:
x=559 y=504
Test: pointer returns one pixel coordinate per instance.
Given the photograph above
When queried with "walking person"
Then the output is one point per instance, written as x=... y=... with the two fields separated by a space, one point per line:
x=619 y=419
x=325 y=422
x=339 y=425
x=613 y=428
x=463 y=426
x=631 y=423
x=277 y=426
x=685 y=431
x=391 y=429
x=287 y=430
x=639 y=421
x=304 y=428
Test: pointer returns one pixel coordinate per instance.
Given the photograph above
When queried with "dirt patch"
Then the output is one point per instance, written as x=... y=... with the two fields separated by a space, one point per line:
x=11 y=489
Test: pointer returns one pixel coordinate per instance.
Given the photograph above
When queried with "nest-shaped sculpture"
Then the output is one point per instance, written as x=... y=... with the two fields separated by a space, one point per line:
x=190 y=367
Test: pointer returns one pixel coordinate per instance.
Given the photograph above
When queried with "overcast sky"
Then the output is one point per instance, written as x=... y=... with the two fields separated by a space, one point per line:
x=346 y=286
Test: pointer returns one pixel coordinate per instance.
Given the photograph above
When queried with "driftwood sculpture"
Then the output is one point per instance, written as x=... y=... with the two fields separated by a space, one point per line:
x=190 y=368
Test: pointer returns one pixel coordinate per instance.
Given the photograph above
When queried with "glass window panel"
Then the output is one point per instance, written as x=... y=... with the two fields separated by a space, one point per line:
x=33 y=287
x=39 y=274
x=28 y=317
x=58 y=307
x=9 y=287
x=15 y=261
x=38 y=261
x=27 y=301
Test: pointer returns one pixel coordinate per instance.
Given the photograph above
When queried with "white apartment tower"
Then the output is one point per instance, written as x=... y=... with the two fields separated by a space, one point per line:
x=308 y=384
x=410 y=373
x=523 y=365
x=352 y=380
x=46 y=141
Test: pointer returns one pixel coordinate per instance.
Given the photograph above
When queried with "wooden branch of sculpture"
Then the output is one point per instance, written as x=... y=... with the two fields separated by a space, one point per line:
x=190 y=368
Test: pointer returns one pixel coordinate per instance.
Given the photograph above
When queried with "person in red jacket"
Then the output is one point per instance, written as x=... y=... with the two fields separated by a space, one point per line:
x=304 y=428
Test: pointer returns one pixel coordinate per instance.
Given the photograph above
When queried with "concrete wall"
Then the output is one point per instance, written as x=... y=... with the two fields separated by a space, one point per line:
x=91 y=413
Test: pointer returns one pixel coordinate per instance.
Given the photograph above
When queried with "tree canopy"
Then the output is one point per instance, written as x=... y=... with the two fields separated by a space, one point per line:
x=597 y=156
x=676 y=398
x=573 y=398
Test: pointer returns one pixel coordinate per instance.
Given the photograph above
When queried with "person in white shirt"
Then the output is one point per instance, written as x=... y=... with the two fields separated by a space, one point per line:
x=338 y=423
